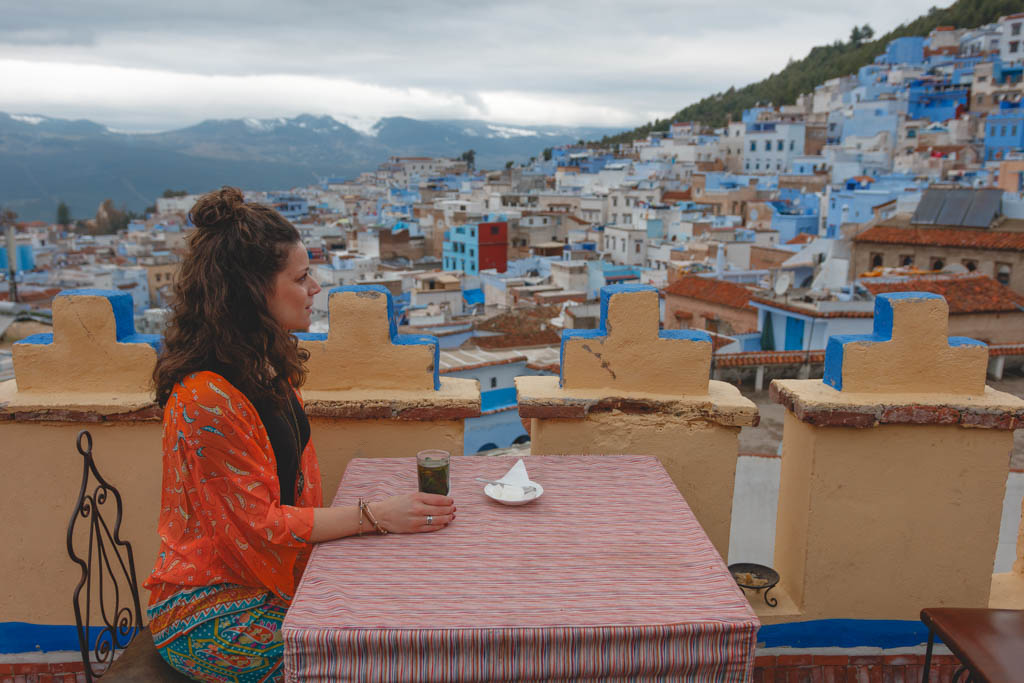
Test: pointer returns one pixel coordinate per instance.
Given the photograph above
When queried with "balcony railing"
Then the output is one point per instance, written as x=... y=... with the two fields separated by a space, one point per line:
x=893 y=471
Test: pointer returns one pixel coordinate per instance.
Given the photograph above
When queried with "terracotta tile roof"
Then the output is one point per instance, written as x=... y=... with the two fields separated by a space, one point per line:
x=943 y=237
x=520 y=327
x=733 y=360
x=811 y=312
x=711 y=290
x=675 y=196
x=801 y=238
x=968 y=293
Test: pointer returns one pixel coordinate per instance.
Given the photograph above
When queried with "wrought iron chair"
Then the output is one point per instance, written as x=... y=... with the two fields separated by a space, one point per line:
x=108 y=565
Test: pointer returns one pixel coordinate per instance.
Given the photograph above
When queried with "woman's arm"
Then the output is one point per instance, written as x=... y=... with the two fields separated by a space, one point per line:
x=404 y=514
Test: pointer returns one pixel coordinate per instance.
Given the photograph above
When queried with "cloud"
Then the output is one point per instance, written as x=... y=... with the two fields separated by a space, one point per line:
x=601 y=62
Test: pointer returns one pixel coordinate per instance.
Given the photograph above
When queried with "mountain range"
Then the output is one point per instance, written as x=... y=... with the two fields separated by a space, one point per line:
x=44 y=160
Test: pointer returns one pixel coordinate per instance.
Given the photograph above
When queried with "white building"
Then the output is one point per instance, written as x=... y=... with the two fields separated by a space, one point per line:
x=769 y=146
x=1011 y=42
x=626 y=246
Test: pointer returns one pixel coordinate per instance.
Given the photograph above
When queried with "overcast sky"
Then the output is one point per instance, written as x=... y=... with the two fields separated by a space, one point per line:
x=147 y=65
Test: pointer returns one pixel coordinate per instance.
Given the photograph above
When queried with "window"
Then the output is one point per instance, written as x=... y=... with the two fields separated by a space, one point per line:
x=876 y=260
x=938 y=263
x=1015 y=29
x=767 y=145
x=753 y=146
x=627 y=218
x=970 y=264
x=615 y=201
x=1003 y=131
x=636 y=247
x=494 y=229
x=1003 y=271
x=906 y=260
x=1014 y=44
x=1013 y=130
x=792 y=145
x=779 y=145
x=494 y=382
x=992 y=131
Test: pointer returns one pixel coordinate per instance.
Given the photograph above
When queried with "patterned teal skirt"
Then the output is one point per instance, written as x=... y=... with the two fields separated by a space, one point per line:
x=221 y=633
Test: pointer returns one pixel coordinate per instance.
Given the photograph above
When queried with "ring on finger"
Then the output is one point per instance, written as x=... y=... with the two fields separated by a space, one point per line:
x=430 y=520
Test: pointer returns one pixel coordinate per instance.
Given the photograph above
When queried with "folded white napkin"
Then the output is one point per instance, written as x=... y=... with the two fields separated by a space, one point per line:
x=516 y=476
x=512 y=485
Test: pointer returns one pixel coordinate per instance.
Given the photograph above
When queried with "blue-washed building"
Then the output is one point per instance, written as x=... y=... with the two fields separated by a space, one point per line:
x=856 y=200
x=936 y=100
x=499 y=425
x=1004 y=131
x=907 y=50
x=292 y=207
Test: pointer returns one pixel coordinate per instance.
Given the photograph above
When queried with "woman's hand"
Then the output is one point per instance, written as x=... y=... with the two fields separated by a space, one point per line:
x=409 y=512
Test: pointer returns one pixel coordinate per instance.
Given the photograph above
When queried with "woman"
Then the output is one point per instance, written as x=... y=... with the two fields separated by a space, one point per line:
x=241 y=503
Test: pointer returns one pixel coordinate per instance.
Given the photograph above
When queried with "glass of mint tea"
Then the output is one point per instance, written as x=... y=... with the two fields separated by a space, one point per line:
x=434 y=472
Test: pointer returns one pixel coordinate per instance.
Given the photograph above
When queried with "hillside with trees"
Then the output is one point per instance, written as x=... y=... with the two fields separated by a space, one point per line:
x=823 y=63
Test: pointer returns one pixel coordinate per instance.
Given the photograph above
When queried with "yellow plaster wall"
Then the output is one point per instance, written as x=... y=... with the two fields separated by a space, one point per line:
x=632 y=357
x=794 y=504
x=699 y=455
x=86 y=350
x=358 y=351
x=918 y=358
x=887 y=520
x=42 y=475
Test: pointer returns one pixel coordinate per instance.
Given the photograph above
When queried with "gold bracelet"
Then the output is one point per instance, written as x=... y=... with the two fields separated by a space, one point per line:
x=373 y=520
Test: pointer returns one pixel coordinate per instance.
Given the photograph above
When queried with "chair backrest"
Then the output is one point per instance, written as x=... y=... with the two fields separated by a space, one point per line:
x=108 y=564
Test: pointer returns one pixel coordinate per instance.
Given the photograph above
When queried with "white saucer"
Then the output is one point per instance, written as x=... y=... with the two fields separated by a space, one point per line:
x=490 y=490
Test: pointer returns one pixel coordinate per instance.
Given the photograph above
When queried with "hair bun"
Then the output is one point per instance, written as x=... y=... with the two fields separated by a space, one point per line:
x=220 y=209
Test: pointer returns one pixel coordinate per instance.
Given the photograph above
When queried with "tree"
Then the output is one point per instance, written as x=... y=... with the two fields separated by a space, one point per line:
x=7 y=217
x=509 y=164
x=63 y=215
x=469 y=156
x=855 y=36
x=547 y=154
x=110 y=220
x=866 y=32
x=170 y=194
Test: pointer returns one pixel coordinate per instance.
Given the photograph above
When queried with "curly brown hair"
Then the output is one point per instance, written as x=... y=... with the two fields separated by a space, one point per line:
x=219 y=319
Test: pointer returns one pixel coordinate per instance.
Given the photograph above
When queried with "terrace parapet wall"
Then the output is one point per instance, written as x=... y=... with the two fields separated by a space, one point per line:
x=629 y=387
x=370 y=392
x=894 y=470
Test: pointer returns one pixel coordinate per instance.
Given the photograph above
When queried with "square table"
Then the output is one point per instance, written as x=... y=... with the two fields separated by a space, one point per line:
x=606 y=576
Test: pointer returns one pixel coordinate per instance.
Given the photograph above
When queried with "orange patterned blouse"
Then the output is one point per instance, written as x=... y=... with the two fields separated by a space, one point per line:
x=221 y=518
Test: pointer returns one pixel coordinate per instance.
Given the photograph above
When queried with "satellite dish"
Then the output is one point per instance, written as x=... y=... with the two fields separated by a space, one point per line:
x=783 y=283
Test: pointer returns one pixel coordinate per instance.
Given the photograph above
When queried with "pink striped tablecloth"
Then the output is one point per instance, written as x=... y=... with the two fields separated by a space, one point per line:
x=607 y=576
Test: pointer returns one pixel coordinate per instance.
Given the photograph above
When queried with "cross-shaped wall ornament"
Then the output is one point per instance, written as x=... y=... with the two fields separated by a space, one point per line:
x=94 y=347
x=908 y=352
x=363 y=350
x=629 y=352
